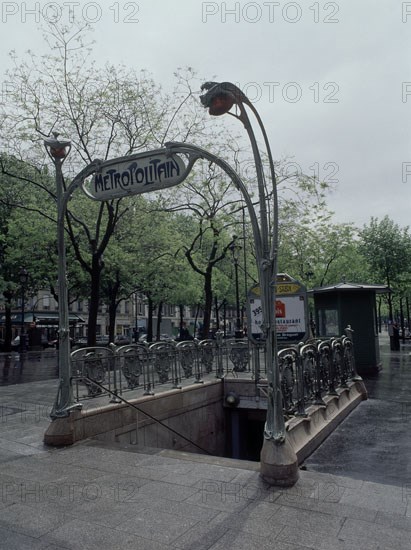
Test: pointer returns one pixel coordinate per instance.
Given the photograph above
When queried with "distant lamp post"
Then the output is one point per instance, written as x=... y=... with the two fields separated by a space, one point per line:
x=35 y=304
x=58 y=151
x=235 y=250
x=136 y=318
x=23 y=278
x=279 y=464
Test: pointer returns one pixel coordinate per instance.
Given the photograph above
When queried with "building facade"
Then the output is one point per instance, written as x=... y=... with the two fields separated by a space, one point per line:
x=132 y=316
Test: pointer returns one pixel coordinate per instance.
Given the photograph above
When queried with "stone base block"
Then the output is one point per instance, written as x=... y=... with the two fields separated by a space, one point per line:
x=278 y=463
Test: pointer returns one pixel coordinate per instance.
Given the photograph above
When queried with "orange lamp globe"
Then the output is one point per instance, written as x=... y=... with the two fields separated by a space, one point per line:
x=58 y=153
x=220 y=104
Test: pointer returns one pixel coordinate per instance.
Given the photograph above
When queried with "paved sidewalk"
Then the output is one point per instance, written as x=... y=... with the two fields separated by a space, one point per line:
x=99 y=496
x=374 y=441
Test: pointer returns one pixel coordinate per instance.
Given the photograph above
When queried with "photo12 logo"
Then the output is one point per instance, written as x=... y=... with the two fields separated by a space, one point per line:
x=53 y=12
x=406 y=11
x=325 y=172
x=293 y=172
x=34 y=491
x=222 y=492
x=269 y=12
x=406 y=171
x=291 y=92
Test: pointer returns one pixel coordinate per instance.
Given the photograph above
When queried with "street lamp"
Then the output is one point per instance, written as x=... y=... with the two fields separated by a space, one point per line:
x=23 y=277
x=35 y=304
x=58 y=151
x=235 y=250
x=279 y=465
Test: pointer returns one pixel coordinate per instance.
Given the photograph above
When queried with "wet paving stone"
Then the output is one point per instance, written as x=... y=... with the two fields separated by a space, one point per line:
x=374 y=442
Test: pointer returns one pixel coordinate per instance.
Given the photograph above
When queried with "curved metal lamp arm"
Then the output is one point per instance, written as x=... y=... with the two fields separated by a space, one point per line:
x=196 y=153
x=220 y=98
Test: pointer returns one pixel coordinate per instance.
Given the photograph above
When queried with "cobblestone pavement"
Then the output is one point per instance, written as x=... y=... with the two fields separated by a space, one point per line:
x=100 y=496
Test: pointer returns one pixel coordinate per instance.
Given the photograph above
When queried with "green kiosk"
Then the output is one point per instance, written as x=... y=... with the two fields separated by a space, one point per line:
x=343 y=304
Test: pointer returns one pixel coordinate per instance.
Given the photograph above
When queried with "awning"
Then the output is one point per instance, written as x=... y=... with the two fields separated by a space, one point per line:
x=53 y=319
x=42 y=319
x=378 y=289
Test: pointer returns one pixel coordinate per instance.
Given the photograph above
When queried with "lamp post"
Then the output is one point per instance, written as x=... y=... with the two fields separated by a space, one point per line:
x=235 y=250
x=58 y=151
x=23 y=277
x=33 y=307
x=136 y=318
x=279 y=465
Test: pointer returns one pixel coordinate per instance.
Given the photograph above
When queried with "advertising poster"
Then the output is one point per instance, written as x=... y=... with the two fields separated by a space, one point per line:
x=290 y=309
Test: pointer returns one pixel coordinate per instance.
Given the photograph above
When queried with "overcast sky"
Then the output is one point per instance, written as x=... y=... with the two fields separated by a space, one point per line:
x=331 y=80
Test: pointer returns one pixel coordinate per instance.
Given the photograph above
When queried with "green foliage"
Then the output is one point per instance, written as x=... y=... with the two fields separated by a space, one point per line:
x=387 y=249
x=106 y=112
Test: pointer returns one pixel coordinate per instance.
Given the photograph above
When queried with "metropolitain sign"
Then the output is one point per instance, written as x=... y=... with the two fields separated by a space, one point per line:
x=135 y=174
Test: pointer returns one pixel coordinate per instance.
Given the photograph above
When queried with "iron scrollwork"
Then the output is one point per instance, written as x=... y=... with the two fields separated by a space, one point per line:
x=239 y=356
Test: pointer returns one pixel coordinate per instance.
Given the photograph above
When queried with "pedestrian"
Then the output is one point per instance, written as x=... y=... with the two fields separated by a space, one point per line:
x=313 y=328
x=396 y=337
x=391 y=334
x=184 y=333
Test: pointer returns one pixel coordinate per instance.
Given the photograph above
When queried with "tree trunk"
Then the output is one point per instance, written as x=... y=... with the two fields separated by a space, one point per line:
x=112 y=312
x=402 y=320
x=196 y=330
x=113 y=290
x=217 y=314
x=181 y=312
x=94 y=302
x=159 y=319
x=379 y=316
x=8 y=333
x=208 y=295
x=389 y=299
x=150 y=319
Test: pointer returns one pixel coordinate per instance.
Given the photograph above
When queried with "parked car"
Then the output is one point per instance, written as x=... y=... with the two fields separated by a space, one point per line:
x=102 y=340
x=163 y=338
x=122 y=340
x=15 y=343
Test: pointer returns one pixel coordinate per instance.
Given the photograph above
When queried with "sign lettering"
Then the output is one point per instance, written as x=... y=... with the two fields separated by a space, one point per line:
x=136 y=174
